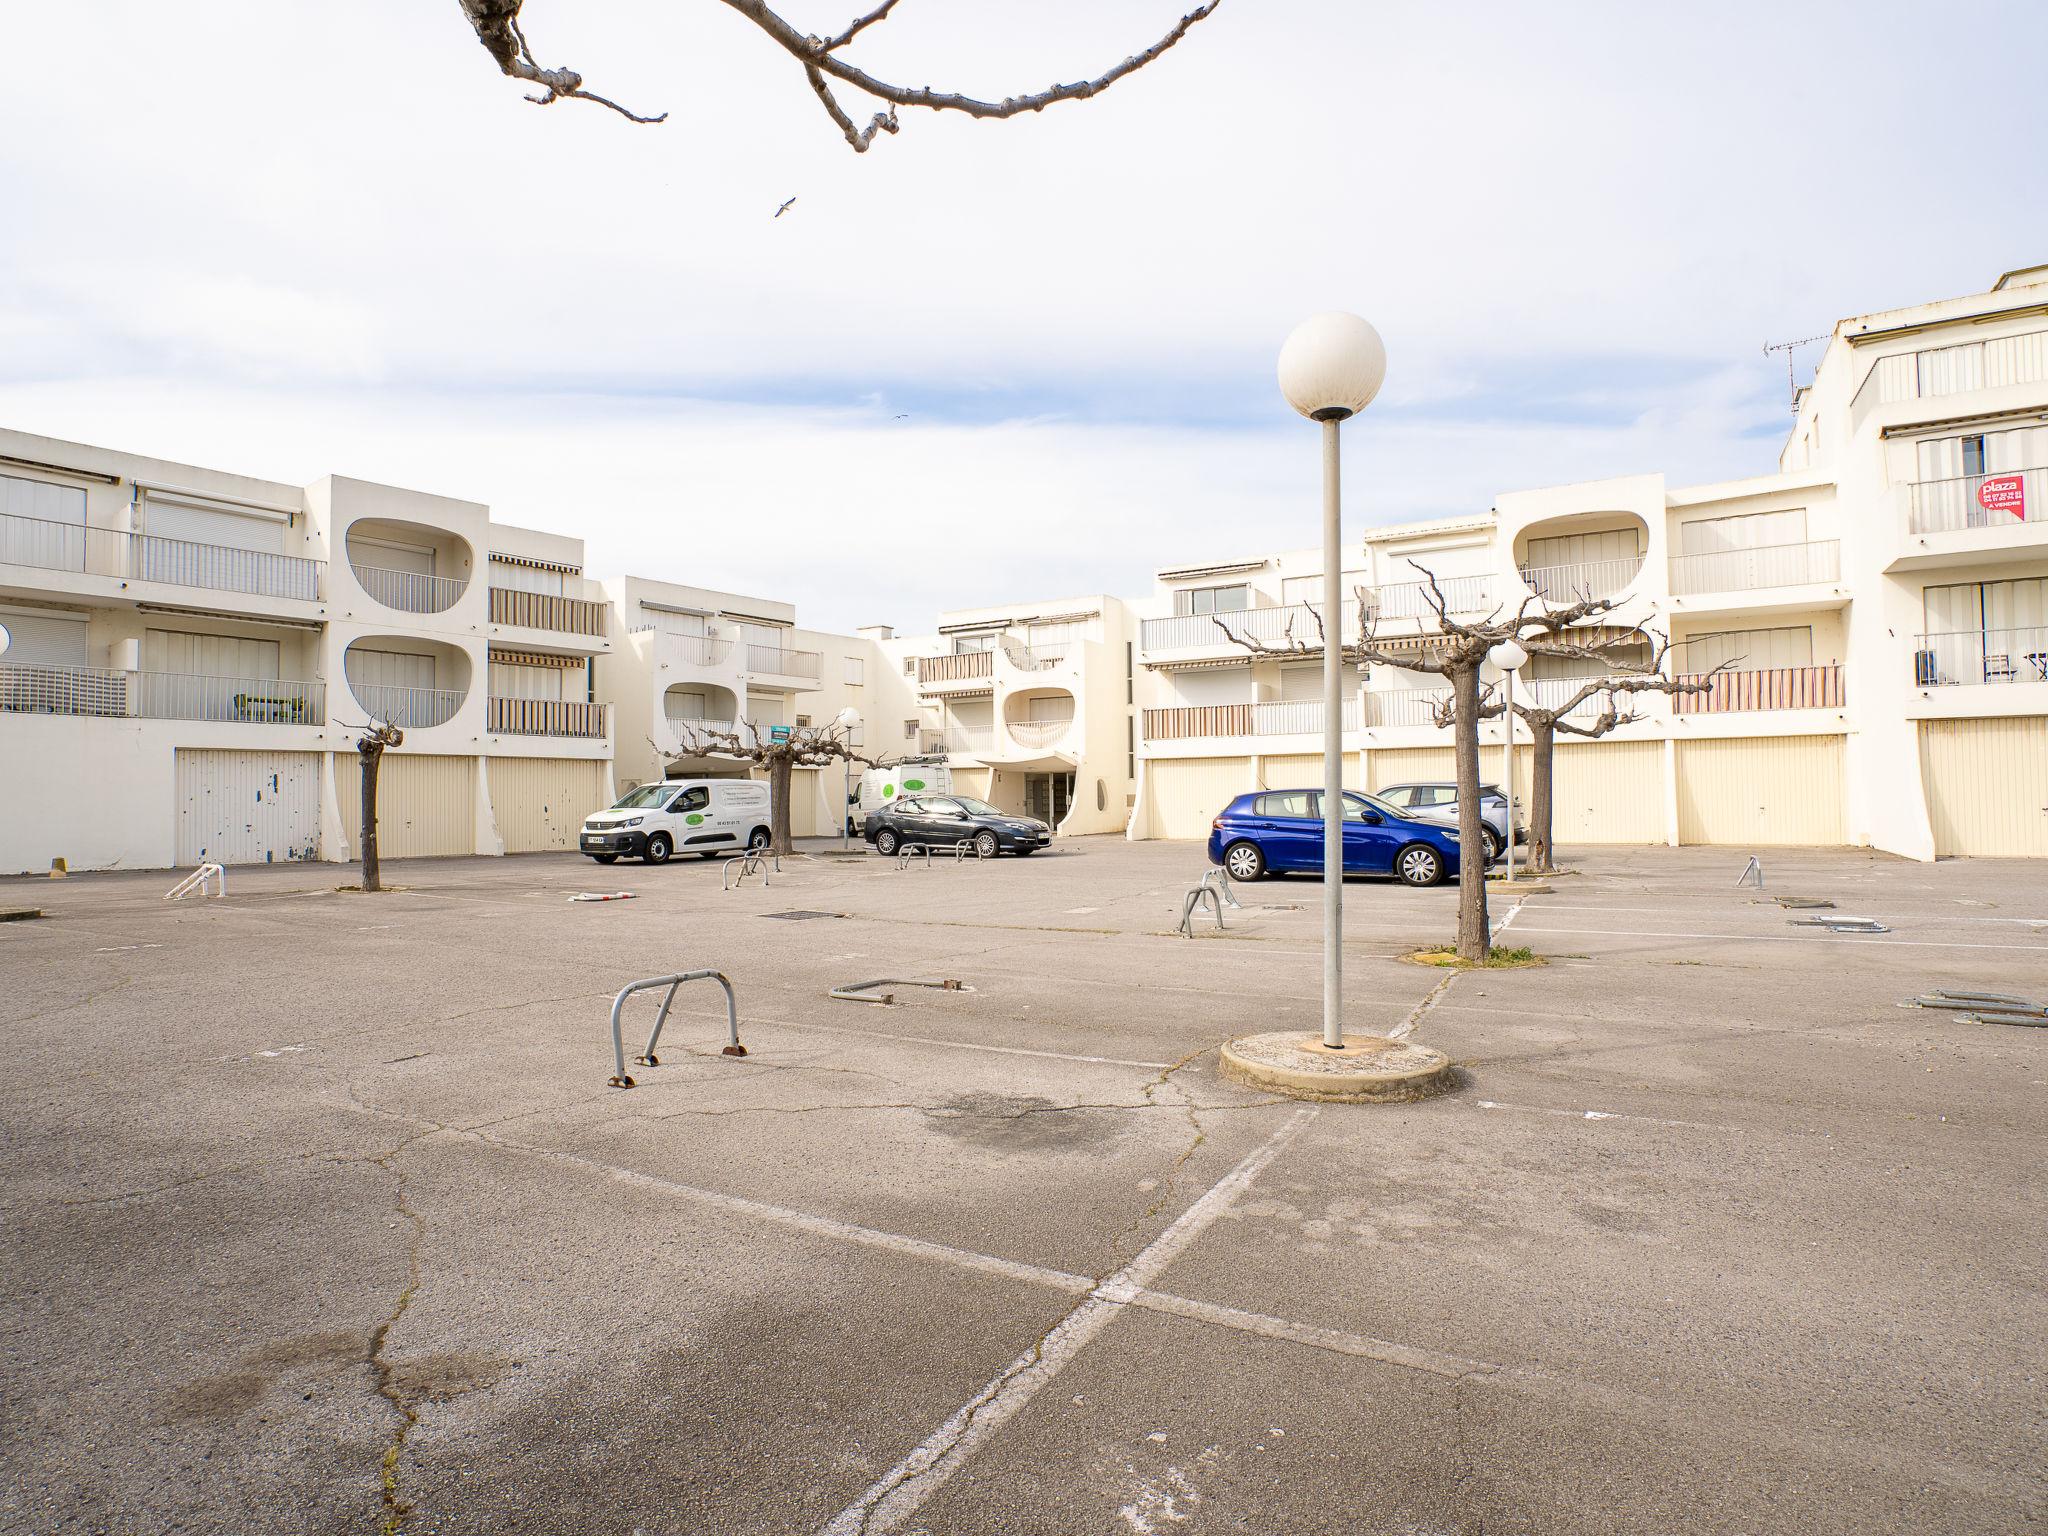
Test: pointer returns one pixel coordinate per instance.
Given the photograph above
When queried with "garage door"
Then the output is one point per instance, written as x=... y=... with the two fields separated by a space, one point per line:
x=1607 y=792
x=1406 y=765
x=1987 y=786
x=425 y=805
x=247 y=807
x=1762 y=791
x=1295 y=770
x=1187 y=792
x=540 y=802
x=804 y=785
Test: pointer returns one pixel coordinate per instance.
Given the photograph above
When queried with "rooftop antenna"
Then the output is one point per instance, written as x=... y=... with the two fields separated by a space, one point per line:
x=1788 y=348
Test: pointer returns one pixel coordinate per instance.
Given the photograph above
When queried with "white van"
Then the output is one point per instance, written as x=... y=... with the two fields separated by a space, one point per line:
x=656 y=821
x=914 y=776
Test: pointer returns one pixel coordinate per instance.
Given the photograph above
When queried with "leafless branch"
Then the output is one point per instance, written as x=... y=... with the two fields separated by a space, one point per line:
x=496 y=23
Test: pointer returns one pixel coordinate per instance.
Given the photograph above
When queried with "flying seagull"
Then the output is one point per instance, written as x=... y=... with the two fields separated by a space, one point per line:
x=784 y=208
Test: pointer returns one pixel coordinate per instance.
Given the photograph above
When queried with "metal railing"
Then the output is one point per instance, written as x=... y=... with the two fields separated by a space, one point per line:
x=1583 y=578
x=241 y=700
x=1413 y=599
x=408 y=708
x=544 y=717
x=1039 y=733
x=117 y=553
x=692 y=650
x=410 y=591
x=1743 y=570
x=1403 y=706
x=684 y=725
x=1298 y=717
x=951 y=742
x=782 y=663
x=1982 y=656
x=1036 y=658
x=1997 y=500
x=544 y=610
x=35 y=690
x=967 y=667
x=1933 y=372
x=1186 y=722
x=1555 y=692
x=1764 y=688
x=1282 y=626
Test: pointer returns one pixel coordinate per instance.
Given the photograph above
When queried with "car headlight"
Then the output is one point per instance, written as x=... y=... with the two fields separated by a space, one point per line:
x=632 y=821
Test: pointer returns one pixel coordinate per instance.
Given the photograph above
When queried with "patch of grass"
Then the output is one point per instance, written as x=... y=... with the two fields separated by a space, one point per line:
x=1499 y=958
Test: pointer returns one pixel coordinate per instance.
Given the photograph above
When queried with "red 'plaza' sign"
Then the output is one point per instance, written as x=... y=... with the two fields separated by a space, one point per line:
x=2004 y=493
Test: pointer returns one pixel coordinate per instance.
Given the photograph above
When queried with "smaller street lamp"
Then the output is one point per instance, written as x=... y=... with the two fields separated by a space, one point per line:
x=847 y=720
x=1510 y=657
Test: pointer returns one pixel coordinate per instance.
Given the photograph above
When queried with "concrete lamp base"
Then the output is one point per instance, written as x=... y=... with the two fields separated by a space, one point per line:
x=1371 y=1069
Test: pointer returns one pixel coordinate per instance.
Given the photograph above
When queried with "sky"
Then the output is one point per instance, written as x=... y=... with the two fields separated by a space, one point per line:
x=985 y=362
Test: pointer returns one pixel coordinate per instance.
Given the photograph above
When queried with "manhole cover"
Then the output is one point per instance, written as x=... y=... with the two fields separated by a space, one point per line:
x=800 y=917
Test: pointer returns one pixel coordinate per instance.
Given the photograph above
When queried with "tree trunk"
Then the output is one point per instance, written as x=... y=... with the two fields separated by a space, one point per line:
x=1542 y=741
x=1474 y=935
x=778 y=804
x=371 y=754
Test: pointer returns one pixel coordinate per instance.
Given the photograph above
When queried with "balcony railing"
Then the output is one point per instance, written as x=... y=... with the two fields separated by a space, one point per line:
x=544 y=610
x=1934 y=372
x=410 y=591
x=691 y=650
x=1584 y=578
x=2000 y=500
x=544 y=717
x=240 y=700
x=34 y=690
x=1298 y=717
x=1413 y=599
x=1186 y=722
x=1403 y=706
x=1555 y=693
x=1746 y=570
x=408 y=708
x=685 y=727
x=1769 y=688
x=965 y=743
x=1036 y=658
x=117 y=553
x=1291 y=624
x=781 y=663
x=967 y=667
x=1982 y=656
x=1039 y=733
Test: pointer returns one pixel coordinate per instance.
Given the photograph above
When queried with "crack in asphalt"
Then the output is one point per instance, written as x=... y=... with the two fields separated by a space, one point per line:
x=396 y=1508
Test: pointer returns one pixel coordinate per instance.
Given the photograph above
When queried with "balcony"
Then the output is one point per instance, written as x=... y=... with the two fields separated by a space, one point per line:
x=33 y=690
x=545 y=717
x=543 y=610
x=1750 y=570
x=774 y=661
x=1036 y=658
x=1299 y=717
x=1982 y=656
x=968 y=671
x=1290 y=625
x=1414 y=600
x=238 y=700
x=1036 y=735
x=1404 y=706
x=689 y=650
x=408 y=708
x=125 y=556
x=956 y=743
x=1567 y=584
x=1936 y=372
x=1279 y=717
x=1771 y=688
x=410 y=591
x=2005 y=499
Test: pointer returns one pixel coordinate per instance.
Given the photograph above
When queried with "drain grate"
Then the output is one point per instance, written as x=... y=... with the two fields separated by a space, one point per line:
x=800 y=917
x=1985 y=1007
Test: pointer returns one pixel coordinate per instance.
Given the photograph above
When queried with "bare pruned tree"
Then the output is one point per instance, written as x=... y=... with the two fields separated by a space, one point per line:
x=377 y=736
x=497 y=25
x=805 y=747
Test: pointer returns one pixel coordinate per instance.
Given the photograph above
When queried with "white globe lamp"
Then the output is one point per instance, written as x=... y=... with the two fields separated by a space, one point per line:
x=1332 y=366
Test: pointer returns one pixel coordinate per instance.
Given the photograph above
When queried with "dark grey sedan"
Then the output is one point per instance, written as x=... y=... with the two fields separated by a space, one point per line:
x=937 y=821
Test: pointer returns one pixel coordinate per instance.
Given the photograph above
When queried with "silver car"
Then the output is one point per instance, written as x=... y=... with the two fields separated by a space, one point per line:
x=1439 y=803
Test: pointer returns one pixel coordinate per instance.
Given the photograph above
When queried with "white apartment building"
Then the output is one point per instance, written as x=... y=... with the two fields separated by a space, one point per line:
x=1883 y=595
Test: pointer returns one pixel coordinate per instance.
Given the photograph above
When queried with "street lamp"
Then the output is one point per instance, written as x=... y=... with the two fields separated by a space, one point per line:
x=847 y=719
x=1330 y=369
x=1509 y=657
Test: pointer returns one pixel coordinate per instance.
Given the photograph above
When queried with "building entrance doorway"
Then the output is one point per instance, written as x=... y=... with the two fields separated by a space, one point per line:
x=1048 y=795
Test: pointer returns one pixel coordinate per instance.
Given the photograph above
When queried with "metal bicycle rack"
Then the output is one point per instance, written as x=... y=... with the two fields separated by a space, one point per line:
x=903 y=855
x=1755 y=867
x=855 y=991
x=750 y=863
x=1221 y=878
x=196 y=881
x=619 y=1079
x=970 y=849
x=1194 y=898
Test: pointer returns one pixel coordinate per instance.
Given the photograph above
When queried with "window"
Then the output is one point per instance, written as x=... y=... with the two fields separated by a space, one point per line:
x=1199 y=601
x=696 y=798
x=1309 y=589
x=856 y=672
x=1749 y=530
x=1293 y=802
x=970 y=645
x=910 y=730
x=525 y=578
x=803 y=722
x=910 y=666
x=1751 y=650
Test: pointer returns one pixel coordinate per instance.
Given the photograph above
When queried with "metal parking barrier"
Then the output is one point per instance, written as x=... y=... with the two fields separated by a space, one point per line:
x=1194 y=898
x=970 y=849
x=196 y=881
x=619 y=1079
x=904 y=853
x=1221 y=877
x=857 y=991
x=1755 y=867
x=750 y=863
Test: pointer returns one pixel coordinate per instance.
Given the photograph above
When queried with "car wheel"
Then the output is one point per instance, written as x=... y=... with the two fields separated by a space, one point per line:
x=1493 y=844
x=887 y=842
x=606 y=858
x=658 y=848
x=985 y=845
x=758 y=839
x=1419 y=864
x=1244 y=861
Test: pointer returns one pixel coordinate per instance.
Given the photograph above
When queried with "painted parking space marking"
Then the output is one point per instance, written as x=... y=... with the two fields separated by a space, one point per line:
x=1878 y=940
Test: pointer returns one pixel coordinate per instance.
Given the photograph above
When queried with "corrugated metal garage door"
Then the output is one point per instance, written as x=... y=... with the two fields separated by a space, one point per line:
x=1407 y=765
x=1762 y=791
x=969 y=781
x=540 y=802
x=247 y=807
x=1606 y=792
x=1187 y=792
x=1987 y=786
x=804 y=786
x=425 y=805
x=1298 y=770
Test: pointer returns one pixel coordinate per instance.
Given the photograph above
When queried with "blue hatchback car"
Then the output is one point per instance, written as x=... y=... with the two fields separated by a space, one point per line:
x=1276 y=831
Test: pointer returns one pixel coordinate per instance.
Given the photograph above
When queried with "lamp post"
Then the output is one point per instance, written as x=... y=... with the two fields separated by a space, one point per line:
x=847 y=719
x=1509 y=656
x=1331 y=367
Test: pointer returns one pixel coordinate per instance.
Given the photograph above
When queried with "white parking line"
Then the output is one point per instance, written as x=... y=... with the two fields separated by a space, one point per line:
x=1880 y=940
x=952 y=1045
x=892 y=1499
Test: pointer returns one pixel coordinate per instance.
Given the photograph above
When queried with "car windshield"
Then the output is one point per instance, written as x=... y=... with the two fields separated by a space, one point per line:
x=644 y=796
x=975 y=807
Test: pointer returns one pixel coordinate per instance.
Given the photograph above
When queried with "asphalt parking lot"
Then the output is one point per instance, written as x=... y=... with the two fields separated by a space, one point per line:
x=321 y=1217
